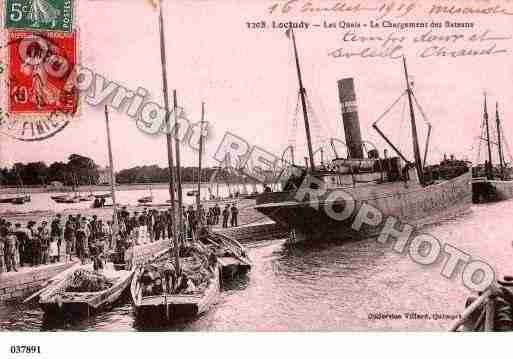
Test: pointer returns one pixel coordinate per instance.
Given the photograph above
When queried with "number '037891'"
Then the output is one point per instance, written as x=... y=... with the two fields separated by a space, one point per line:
x=25 y=349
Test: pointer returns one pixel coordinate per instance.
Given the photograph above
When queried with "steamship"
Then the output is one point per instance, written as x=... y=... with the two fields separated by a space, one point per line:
x=312 y=207
x=489 y=182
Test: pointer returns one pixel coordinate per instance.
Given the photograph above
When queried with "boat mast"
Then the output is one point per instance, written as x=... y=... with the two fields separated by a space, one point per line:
x=333 y=148
x=168 y=139
x=178 y=163
x=485 y=117
x=115 y=224
x=498 y=122
x=198 y=199
x=416 y=149
x=302 y=93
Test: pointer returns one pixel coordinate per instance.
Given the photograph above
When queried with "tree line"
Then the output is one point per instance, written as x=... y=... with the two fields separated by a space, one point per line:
x=81 y=170
x=78 y=170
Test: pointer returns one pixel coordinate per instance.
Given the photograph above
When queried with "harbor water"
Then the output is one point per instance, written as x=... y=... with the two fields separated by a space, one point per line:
x=360 y=285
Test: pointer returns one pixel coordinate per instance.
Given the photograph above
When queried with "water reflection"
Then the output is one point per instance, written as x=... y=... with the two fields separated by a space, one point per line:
x=326 y=285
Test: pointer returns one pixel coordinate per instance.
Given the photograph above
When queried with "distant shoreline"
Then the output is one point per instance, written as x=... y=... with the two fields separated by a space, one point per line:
x=97 y=188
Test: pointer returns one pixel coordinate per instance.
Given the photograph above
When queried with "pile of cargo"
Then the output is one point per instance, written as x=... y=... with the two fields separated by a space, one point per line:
x=196 y=269
x=194 y=277
x=82 y=281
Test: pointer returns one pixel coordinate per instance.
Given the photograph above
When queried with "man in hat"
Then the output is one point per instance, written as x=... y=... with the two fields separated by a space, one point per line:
x=69 y=237
x=23 y=243
x=44 y=234
x=217 y=213
x=56 y=233
x=3 y=239
x=235 y=214
x=134 y=225
x=30 y=248
x=94 y=228
x=169 y=223
x=82 y=242
x=36 y=243
x=226 y=215
x=10 y=249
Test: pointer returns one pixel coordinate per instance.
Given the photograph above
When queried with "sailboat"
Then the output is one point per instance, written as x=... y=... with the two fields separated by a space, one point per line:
x=318 y=203
x=182 y=281
x=491 y=182
x=147 y=199
x=21 y=198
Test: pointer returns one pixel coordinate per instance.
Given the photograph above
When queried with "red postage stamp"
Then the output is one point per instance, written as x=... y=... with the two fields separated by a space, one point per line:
x=40 y=75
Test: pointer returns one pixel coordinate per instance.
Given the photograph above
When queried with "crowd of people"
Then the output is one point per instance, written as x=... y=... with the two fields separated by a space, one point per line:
x=51 y=241
x=59 y=238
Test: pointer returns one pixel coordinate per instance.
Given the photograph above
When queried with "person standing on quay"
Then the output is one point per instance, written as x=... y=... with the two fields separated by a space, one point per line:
x=10 y=249
x=134 y=227
x=20 y=247
x=56 y=234
x=82 y=241
x=69 y=238
x=36 y=244
x=45 y=242
x=169 y=222
x=30 y=247
x=226 y=215
x=235 y=214
x=2 y=251
x=217 y=213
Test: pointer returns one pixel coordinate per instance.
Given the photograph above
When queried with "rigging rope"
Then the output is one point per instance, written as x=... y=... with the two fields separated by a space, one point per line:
x=388 y=109
x=293 y=130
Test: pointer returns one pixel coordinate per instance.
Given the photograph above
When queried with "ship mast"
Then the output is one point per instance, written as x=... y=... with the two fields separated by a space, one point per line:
x=178 y=165
x=416 y=149
x=498 y=122
x=168 y=140
x=198 y=198
x=485 y=117
x=302 y=93
x=112 y=177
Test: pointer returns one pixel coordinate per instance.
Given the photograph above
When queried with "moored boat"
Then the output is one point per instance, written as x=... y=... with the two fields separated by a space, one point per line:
x=323 y=202
x=231 y=255
x=84 y=292
x=68 y=199
x=59 y=197
x=159 y=296
x=492 y=310
x=492 y=182
x=21 y=199
x=147 y=199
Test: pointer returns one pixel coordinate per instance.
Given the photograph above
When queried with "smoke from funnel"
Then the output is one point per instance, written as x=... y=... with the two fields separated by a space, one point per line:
x=350 y=118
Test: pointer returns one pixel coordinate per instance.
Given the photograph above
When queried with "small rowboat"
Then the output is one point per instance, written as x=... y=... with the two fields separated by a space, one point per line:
x=58 y=299
x=192 y=193
x=21 y=200
x=86 y=198
x=147 y=199
x=231 y=255
x=66 y=199
x=166 y=306
x=60 y=197
x=16 y=200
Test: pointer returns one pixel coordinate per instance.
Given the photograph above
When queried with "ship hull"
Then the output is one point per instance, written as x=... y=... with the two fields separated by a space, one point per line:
x=407 y=203
x=484 y=190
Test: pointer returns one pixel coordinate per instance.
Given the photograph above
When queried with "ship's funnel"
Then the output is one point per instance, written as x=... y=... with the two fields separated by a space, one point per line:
x=350 y=119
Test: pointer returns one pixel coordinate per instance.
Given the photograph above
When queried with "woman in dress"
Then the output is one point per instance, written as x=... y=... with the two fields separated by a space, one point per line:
x=53 y=250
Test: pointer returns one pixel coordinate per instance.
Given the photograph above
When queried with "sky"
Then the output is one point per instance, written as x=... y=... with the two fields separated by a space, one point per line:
x=247 y=79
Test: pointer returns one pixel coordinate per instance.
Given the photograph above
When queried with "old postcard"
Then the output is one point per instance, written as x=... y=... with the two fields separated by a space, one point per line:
x=270 y=165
